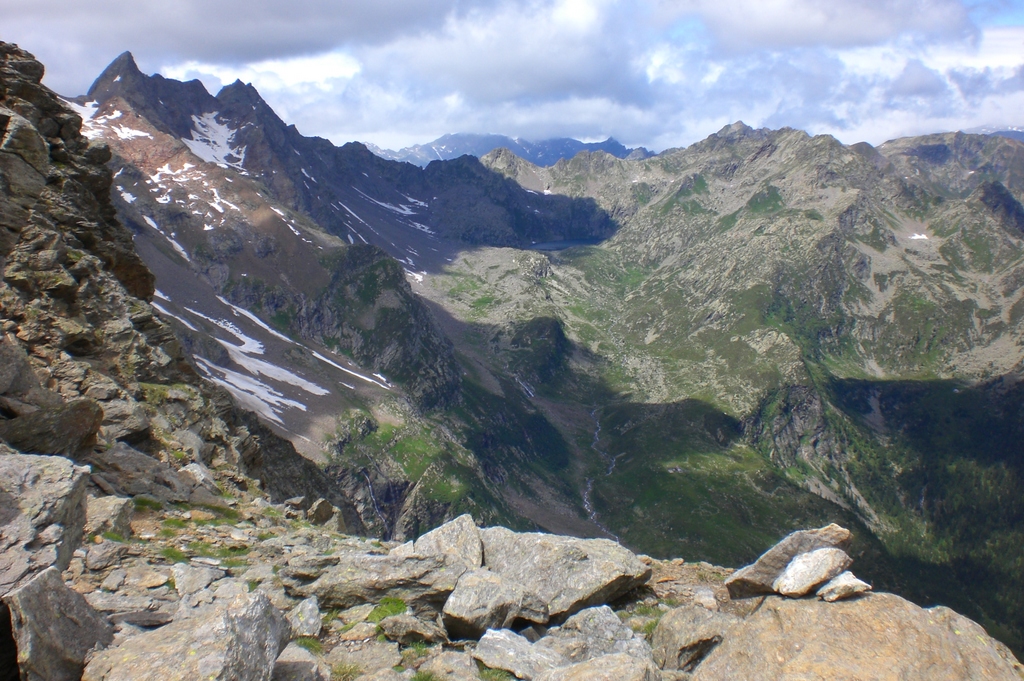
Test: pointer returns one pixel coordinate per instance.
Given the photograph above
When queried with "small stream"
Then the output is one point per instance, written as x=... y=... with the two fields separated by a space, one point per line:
x=589 y=488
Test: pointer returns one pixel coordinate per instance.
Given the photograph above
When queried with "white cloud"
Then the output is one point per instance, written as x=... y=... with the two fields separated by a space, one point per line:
x=756 y=24
x=653 y=72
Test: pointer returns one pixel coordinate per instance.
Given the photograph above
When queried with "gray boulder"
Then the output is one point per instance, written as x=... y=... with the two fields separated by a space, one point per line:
x=567 y=573
x=369 y=657
x=64 y=429
x=130 y=472
x=617 y=667
x=507 y=650
x=42 y=514
x=686 y=635
x=298 y=664
x=406 y=629
x=305 y=618
x=451 y=666
x=760 y=577
x=593 y=633
x=877 y=636
x=189 y=579
x=810 y=570
x=108 y=514
x=420 y=581
x=54 y=628
x=484 y=600
x=842 y=586
x=239 y=642
x=124 y=420
x=459 y=538
x=103 y=555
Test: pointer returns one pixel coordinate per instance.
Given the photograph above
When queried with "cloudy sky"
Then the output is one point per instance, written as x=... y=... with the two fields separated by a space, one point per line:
x=658 y=73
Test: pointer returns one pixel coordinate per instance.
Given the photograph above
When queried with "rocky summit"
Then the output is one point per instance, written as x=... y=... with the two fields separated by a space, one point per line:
x=152 y=528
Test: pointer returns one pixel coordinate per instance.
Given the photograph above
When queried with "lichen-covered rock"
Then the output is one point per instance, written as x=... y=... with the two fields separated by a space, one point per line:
x=54 y=628
x=844 y=585
x=42 y=515
x=64 y=429
x=298 y=664
x=507 y=650
x=420 y=581
x=108 y=514
x=131 y=472
x=239 y=642
x=760 y=577
x=451 y=666
x=877 y=636
x=103 y=555
x=407 y=629
x=368 y=657
x=685 y=636
x=459 y=538
x=567 y=573
x=617 y=667
x=484 y=600
x=189 y=579
x=593 y=633
x=305 y=618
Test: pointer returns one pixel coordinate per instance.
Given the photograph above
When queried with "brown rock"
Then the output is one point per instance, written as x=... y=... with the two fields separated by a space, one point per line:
x=686 y=635
x=617 y=667
x=42 y=513
x=54 y=628
x=879 y=636
x=63 y=430
x=567 y=573
x=759 y=578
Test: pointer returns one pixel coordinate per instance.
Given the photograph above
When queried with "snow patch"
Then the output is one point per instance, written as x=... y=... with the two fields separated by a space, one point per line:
x=919 y=237
x=211 y=141
x=160 y=308
x=349 y=371
x=251 y=393
x=254 y=319
x=400 y=209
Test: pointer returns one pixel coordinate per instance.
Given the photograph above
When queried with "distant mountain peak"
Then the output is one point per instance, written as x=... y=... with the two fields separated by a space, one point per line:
x=543 y=153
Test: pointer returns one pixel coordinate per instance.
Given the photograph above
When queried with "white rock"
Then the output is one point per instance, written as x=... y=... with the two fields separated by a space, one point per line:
x=305 y=618
x=843 y=586
x=809 y=570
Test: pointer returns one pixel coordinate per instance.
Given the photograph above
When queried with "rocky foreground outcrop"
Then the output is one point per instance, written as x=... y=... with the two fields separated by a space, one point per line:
x=255 y=590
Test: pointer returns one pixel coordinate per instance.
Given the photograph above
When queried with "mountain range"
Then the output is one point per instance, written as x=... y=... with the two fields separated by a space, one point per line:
x=543 y=153
x=694 y=352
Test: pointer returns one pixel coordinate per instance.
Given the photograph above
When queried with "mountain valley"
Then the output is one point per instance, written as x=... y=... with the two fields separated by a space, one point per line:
x=760 y=332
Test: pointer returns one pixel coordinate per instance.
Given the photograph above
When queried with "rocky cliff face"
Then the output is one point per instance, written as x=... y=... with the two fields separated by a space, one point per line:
x=90 y=372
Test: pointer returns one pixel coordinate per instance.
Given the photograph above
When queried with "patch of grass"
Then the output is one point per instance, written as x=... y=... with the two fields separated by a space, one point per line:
x=168 y=533
x=329 y=616
x=345 y=672
x=113 y=536
x=146 y=504
x=253 y=584
x=310 y=643
x=768 y=200
x=425 y=676
x=203 y=548
x=174 y=555
x=263 y=536
x=387 y=607
x=175 y=523
x=221 y=511
x=488 y=674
